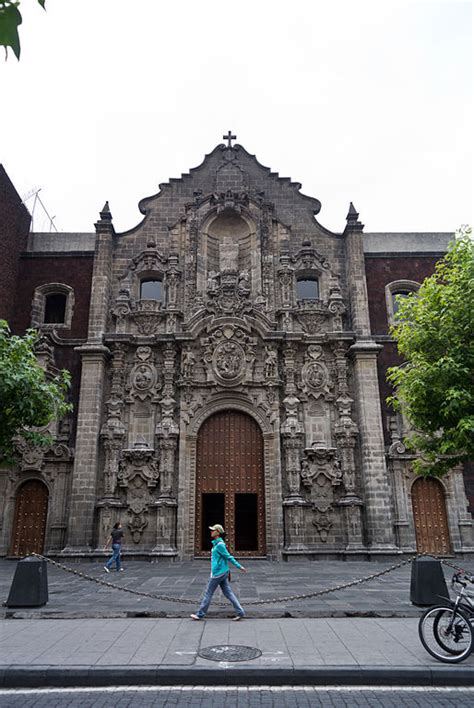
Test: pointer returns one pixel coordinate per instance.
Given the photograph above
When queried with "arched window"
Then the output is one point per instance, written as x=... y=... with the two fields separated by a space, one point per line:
x=307 y=288
x=52 y=306
x=55 y=308
x=398 y=288
x=396 y=296
x=151 y=289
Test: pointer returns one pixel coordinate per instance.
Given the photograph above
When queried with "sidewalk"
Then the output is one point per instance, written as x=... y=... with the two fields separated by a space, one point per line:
x=73 y=598
x=362 y=651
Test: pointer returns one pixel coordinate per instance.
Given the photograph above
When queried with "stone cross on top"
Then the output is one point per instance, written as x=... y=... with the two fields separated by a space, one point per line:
x=229 y=137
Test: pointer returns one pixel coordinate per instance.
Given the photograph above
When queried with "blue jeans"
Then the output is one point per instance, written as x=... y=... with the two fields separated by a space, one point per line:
x=223 y=581
x=116 y=548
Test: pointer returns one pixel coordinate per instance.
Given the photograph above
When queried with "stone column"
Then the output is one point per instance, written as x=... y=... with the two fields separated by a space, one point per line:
x=94 y=356
x=375 y=480
x=376 y=492
x=84 y=482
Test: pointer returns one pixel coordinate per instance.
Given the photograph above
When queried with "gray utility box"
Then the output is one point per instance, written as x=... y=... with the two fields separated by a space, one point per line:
x=30 y=584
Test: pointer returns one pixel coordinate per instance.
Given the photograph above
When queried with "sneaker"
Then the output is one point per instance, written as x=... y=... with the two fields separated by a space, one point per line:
x=106 y=569
x=237 y=618
x=195 y=617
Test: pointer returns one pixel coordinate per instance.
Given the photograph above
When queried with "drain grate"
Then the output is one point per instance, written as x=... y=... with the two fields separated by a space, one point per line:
x=229 y=652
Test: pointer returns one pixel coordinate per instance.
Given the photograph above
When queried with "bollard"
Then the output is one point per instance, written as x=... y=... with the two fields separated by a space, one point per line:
x=30 y=584
x=428 y=586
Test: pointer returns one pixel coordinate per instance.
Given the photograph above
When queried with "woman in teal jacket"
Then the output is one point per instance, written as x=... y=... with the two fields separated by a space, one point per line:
x=220 y=558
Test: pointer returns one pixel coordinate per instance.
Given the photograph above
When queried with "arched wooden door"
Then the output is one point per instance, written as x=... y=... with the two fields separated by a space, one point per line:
x=29 y=525
x=429 y=513
x=230 y=486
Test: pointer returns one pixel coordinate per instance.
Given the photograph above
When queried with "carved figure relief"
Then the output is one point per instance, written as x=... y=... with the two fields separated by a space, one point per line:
x=143 y=378
x=315 y=377
x=320 y=474
x=229 y=355
x=271 y=363
x=188 y=361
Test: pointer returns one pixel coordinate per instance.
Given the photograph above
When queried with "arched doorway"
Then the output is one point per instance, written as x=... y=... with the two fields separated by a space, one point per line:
x=230 y=486
x=429 y=514
x=29 y=525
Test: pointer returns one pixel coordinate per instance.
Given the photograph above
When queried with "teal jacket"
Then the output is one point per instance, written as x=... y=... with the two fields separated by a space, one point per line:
x=220 y=557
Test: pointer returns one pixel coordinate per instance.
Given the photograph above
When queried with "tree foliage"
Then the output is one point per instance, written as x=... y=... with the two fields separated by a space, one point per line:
x=434 y=387
x=28 y=396
x=10 y=20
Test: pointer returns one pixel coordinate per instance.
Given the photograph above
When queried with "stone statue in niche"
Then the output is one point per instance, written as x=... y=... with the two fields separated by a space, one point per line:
x=271 y=363
x=188 y=361
x=212 y=284
x=243 y=286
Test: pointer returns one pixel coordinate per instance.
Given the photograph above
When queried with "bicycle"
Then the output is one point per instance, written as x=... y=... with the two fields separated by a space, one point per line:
x=450 y=625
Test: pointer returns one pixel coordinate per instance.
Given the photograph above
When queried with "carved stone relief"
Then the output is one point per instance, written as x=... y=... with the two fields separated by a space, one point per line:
x=143 y=378
x=315 y=375
x=229 y=355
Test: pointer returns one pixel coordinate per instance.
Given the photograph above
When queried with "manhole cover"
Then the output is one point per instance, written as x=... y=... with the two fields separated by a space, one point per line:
x=229 y=652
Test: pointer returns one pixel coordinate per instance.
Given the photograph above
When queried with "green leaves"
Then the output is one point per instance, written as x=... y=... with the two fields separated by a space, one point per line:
x=435 y=386
x=29 y=398
x=10 y=20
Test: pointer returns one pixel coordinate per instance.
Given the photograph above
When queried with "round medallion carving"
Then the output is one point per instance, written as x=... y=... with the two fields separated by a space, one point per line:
x=143 y=377
x=316 y=375
x=228 y=361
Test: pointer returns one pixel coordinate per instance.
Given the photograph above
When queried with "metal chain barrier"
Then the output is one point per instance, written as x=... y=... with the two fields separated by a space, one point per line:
x=275 y=600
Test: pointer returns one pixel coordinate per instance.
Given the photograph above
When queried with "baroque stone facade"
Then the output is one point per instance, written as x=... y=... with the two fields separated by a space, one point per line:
x=229 y=296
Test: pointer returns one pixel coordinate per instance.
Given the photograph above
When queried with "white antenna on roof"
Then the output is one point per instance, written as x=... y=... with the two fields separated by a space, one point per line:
x=35 y=193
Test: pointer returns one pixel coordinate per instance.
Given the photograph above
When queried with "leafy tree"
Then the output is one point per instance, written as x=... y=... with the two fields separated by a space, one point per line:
x=434 y=330
x=28 y=397
x=10 y=20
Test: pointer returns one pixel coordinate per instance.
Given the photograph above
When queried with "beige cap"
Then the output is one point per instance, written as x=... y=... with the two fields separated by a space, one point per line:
x=217 y=527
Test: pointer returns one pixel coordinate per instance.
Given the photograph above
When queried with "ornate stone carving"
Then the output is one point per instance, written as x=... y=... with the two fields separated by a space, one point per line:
x=320 y=474
x=323 y=523
x=315 y=376
x=138 y=474
x=228 y=293
x=143 y=379
x=229 y=355
x=139 y=460
x=147 y=316
x=188 y=362
x=271 y=363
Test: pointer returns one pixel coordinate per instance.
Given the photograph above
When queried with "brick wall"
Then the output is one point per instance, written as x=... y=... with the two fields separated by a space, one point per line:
x=379 y=271
x=14 y=228
x=76 y=271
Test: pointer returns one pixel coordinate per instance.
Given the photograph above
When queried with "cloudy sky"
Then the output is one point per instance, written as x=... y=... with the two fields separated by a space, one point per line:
x=362 y=101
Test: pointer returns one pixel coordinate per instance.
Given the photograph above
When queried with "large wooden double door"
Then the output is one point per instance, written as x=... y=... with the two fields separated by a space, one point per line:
x=230 y=483
x=29 y=524
x=429 y=513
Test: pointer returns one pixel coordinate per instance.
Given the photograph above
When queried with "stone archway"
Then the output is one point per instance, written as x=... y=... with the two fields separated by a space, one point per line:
x=430 y=518
x=230 y=485
x=29 y=524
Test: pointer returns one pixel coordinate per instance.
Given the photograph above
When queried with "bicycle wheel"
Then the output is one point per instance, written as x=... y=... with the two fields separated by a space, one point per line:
x=445 y=634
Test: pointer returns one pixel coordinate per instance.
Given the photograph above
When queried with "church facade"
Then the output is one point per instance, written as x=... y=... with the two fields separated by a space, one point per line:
x=228 y=358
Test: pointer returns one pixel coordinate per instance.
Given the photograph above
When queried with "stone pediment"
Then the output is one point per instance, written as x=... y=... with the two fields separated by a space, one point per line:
x=229 y=168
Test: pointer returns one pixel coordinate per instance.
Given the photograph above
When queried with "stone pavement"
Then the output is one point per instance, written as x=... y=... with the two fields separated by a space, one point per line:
x=72 y=597
x=310 y=651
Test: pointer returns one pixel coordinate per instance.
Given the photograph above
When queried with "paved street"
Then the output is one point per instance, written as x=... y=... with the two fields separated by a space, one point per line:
x=70 y=596
x=239 y=697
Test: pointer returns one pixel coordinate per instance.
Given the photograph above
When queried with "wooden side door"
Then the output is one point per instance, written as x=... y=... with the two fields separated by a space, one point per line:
x=429 y=513
x=230 y=483
x=29 y=525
